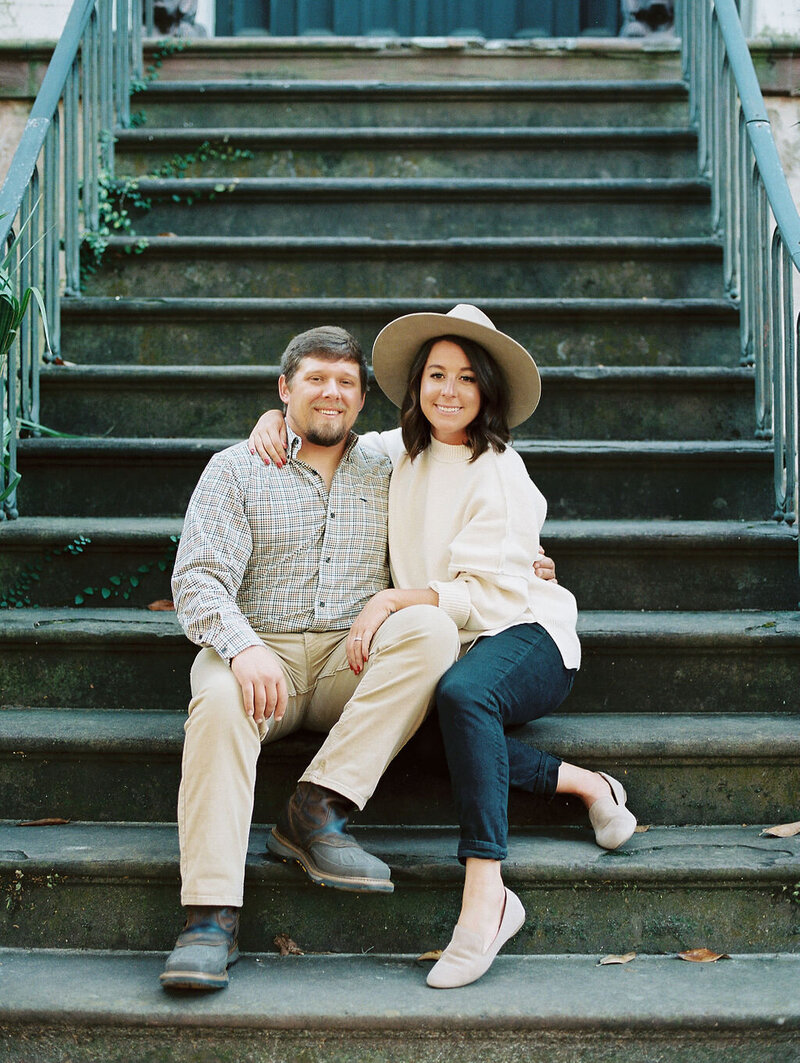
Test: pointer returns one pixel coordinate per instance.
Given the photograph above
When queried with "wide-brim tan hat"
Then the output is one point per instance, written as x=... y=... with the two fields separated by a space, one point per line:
x=398 y=343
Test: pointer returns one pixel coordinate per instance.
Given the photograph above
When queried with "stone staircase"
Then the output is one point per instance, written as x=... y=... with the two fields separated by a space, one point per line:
x=558 y=190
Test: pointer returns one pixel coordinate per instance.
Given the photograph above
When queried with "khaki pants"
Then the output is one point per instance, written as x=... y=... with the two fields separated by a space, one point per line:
x=368 y=717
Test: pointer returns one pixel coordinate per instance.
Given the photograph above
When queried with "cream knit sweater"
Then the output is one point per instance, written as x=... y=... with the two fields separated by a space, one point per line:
x=471 y=533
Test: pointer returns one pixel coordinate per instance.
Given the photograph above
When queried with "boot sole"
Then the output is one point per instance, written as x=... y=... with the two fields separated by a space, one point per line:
x=280 y=847
x=197 y=980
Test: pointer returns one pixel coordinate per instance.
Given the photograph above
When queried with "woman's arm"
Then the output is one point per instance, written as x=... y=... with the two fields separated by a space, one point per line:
x=268 y=439
x=377 y=609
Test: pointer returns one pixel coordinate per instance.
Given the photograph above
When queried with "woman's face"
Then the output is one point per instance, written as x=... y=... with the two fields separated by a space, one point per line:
x=448 y=393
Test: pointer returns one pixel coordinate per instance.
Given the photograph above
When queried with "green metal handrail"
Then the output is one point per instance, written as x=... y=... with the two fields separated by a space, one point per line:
x=754 y=213
x=84 y=95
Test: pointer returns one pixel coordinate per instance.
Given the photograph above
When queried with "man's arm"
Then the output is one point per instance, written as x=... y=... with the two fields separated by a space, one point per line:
x=214 y=550
x=215 y=547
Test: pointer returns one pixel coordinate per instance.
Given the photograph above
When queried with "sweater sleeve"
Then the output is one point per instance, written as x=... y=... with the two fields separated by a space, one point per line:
x=491 y=558
x=212 y=557
x=390 y=444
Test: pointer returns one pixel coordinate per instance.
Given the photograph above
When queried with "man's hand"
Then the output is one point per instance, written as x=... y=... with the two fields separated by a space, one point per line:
x=262 y=681
x=545 y=567
x=268 y=439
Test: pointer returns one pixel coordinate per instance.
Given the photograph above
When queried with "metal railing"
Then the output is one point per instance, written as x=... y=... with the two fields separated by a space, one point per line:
x=754 y=213
x=53 y=180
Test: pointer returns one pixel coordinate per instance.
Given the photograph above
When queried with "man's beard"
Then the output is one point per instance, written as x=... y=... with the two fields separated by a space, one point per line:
x=327 y=435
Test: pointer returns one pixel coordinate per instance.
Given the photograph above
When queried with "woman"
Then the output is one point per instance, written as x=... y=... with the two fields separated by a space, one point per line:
x=464 y=522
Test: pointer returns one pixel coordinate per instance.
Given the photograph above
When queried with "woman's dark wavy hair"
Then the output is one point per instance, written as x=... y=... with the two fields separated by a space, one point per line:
x=490 y=427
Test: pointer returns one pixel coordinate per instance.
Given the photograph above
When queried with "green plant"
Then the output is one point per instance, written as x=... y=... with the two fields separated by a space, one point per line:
x=152 y=72
x=115 y=196
x=19 y=594
x=14 y=891
x=118 y=196
x=120 y=585
x=123 y=584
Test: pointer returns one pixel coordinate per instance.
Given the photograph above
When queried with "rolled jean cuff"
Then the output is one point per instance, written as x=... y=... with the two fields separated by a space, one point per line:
x=471 y=847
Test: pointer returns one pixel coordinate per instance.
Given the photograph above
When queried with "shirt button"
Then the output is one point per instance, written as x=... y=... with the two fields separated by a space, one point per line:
x=327 y=560
x=322 y=605
x=332 y=515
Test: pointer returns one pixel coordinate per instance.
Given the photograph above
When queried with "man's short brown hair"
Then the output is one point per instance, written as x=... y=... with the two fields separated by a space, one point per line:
x=329 y=342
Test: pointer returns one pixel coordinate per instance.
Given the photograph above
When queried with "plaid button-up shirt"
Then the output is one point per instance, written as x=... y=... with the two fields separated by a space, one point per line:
x=268 y=549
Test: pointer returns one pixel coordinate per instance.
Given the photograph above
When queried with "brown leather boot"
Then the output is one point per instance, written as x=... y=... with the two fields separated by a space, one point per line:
x=312 y=829
x=205 y=948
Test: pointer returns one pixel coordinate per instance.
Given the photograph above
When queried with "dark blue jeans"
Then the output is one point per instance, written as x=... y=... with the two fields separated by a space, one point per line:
x=504 y=681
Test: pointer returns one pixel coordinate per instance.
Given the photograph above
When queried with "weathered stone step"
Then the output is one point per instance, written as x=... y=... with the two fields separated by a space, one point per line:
x=671 y=480
x=116 y=886
x=104 y=561
x=706 y=768
x=322 y=267
x=404 y=60
x=54 y=561
x=403 y=151
x=605 y=402
x=476 y=102
x=109 y=1006
x=414 y=208
x=647 y=661
x=169 y=331
x=676 y=564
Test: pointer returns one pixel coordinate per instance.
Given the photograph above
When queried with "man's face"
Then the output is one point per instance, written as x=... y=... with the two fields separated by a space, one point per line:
x=322 y=400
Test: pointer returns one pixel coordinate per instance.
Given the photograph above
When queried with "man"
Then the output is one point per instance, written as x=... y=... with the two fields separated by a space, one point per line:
x=273 y=566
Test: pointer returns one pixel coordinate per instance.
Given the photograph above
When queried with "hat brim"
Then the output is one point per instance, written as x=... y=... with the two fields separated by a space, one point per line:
x=398 y=342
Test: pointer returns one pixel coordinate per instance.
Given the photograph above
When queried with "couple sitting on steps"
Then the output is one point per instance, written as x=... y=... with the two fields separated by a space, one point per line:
x=305 y=620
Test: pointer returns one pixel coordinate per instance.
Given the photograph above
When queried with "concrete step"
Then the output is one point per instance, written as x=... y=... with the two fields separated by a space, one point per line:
x=88 y=885
x=406 y=151
x=404 y=60
x=671 y=480
x=309 y=103
x=109 y=1006
x=723 y=768
x=605 y=402
x=647 y=661
x=169 y=331
x=105 y=561
x=322 y=267
x=419 y=208
x=676 y=564
x=49 y=561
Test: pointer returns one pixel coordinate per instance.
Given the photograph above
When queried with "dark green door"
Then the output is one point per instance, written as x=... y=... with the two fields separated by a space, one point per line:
x=419 y=18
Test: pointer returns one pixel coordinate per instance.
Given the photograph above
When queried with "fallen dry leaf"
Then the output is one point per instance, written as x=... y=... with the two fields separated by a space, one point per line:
x=162 y=605
x=783 y=830
x=432 y=956
x=167 y=234
x=702 y=956
x=626 y=958
x=286 y=946
x=643 y=828
x=50 y=821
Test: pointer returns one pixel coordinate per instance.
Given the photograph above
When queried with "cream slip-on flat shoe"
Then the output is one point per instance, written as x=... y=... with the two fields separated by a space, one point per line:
x=613 y=823
x=465 y=959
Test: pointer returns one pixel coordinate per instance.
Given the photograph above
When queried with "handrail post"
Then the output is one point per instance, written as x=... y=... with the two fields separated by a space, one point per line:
x=754 y=211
